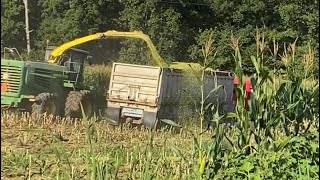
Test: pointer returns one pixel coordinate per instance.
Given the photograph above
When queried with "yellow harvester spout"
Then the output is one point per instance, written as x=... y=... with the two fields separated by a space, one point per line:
x=59 y=51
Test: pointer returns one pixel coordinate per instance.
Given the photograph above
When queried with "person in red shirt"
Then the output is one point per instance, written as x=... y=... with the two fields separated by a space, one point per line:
x=248 y=92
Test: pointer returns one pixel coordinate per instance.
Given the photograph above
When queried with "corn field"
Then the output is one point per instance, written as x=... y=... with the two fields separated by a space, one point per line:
x=277 y=138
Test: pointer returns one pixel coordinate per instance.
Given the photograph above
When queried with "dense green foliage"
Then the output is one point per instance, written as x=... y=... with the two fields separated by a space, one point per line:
x=178 y=28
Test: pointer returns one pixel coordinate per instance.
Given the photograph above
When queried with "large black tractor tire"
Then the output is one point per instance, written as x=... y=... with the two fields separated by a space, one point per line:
x=74 y=101
x=46 y=103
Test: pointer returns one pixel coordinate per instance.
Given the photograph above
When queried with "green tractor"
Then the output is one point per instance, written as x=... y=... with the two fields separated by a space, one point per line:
x=55 y=86
x=43 y=87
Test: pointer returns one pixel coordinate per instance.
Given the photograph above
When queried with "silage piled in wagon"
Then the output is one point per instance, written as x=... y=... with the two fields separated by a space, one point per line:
x=190 y=93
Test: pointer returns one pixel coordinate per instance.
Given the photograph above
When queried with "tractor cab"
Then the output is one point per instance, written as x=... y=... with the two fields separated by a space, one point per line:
x=72 y=55
x=73 y=60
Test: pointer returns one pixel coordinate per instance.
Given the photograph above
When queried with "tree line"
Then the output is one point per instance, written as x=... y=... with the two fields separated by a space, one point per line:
x=177 y=27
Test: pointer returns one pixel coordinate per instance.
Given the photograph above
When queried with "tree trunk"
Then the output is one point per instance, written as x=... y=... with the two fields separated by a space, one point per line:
x=27 y=25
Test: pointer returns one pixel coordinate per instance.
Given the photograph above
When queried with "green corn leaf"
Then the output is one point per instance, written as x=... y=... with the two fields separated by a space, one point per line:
x=247 y=166
x=177 y=151
x=273 y=121
x=255 y=63
x=171 y=123
x=281 y=89
x=232 y=115
x=217 y=118
x=293 y=105
x=283 y=143
x=208 y=106
x=213 y=90
x=202 y=166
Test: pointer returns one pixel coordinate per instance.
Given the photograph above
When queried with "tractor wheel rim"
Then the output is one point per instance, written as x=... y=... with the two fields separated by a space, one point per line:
x=50 y=108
